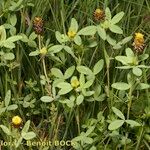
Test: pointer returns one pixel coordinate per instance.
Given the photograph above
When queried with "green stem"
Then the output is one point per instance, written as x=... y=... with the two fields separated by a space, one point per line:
x=44 y=66
x=78 y=120
x=140 y=138
x=147 y=92
x=129 y=102
x=128 y=113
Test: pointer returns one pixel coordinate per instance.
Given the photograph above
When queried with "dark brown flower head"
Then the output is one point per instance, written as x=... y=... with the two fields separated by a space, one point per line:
x=99 y=15
x=139 y=43
x=38 y=25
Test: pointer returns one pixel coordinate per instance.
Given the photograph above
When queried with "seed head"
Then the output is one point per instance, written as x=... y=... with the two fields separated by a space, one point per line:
x=38 y=25
x=99 y=15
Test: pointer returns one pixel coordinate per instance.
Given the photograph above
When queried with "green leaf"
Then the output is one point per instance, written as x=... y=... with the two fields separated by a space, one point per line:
x=46 y=99
x=65 y=88
x=125 y=40
x=137 y=71
x=117 y=46
x=93 y=148
x=123 y=59
x=143 y=57
x=32 y=43
x=26 y=127
x=69 y=51
x=29 y=135
x=118 y=113
x=115 y=29
x=100 y=98
x=18 y=142
x=68 y=102
x=90 y=130
x=34 y=53
x=9 y=56
x=142 y=86
x=117 y=17
x=5 y=129
x=58 y=37
x=97 y=90
x=32 y=36
x=82 y=79
x=2 y=110
x=84 y=70
x=57 y=73
x=77 y=40
x=108 y=14
x=98 y=66
x=74 y=25
x=115 y=124
x=15 y=6
x=2 y=33
x=111 y=41
x=88 y=140
x=88 y=84
x=87 y=93
x=121 y=86
x=55 y=49
x=7 y=98
x=69 y=72
x=8 y=44
x=101 y=32
x=89 y=30
x=79 y=99
x=129 y=52
x=12 y=107
x=132 y=123
x=13 y=19
x=124 y=67
x=14 y=38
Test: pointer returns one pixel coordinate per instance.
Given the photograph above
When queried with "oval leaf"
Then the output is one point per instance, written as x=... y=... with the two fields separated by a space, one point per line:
x=120 y=86
x=89 y=30
x=117 y=17
x=98 y=66
x=46 y=99
x=115 y=124
x=118 y=113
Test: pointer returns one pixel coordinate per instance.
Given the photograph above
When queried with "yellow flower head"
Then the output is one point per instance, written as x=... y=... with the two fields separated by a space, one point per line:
x=98 y=11
x=71 y=34
x=75 y=82
x=16 y=121
x=139 y=42
x=139 y=37
x=43 y=51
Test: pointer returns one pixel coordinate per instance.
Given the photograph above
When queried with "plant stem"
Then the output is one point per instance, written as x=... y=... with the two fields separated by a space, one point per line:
x=140 y=137
x=129 y=102
x=78 y=120
x=44 y=67
x=128 y=113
